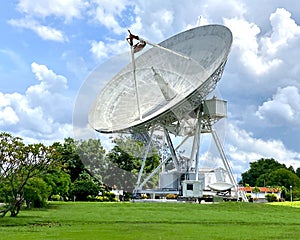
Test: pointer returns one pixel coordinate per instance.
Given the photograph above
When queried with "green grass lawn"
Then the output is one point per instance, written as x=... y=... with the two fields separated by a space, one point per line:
x=86 y=221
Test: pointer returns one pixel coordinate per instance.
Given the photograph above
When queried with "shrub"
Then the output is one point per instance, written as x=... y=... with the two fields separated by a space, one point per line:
x=99 y=199
x=55 y=197
x=144 y=196
x=105 y=199
x=171 y=196
x=84 y=186
x=109 y=195
x=271 y=197
x=36 y=193
x=91 y=198
x=249 y=197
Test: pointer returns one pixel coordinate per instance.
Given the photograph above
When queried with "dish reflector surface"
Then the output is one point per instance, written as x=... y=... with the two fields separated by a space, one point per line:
x=169 y=85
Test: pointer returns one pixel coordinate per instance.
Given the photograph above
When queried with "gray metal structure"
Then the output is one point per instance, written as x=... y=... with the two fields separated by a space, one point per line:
x=165 y=89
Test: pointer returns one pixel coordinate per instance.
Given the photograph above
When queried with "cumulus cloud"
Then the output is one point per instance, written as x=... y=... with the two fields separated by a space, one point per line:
x=45 y=32
x=243 y=147
x=7 y=115
x=246 y=41
x=67 y=9
x=49 y=80
x=284 y=29
x=43 y=112
x=106 y=12
x=36 y=11
x=283 y=108
x=101 y=50
x=260 y=53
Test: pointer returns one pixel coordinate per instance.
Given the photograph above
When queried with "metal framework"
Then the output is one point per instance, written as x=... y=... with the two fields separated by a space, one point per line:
x=202 y=124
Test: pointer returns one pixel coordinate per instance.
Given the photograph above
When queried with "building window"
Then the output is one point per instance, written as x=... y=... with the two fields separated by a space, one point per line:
x=189 y=187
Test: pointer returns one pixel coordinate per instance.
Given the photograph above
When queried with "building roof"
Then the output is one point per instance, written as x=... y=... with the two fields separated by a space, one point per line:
x=261 y=189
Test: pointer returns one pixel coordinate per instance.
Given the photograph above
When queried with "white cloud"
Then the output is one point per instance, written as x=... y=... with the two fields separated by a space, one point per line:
x=45 y=32
x=43 y=112
x=48 y=78
x=68 y=9
x=101 y=50
x=37 y=11
x=245 y=40
x=217 y=9
x=106 y=12
x=242 y=147
x=264 y=52
x=284 y=29
x=8 y=116
x=283 y=108
x=161 y=17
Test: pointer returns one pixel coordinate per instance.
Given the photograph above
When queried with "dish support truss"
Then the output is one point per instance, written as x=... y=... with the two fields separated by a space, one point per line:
x=202 y=122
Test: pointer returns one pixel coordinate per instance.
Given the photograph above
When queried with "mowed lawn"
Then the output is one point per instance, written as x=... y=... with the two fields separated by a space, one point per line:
x=88 y=220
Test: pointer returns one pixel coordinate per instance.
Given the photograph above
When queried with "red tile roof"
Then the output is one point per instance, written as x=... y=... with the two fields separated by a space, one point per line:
x=261 y=189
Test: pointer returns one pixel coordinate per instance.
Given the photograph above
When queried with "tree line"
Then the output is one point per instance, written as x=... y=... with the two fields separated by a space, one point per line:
x=32 y=174
x=269 y=172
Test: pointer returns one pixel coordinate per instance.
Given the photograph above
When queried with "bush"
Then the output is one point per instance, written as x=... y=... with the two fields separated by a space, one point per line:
x=99 y=199
x=144 y=196
x=171 y=196
x=91 y=198
x=55 y=197
x=296 y=195
x=271 y=197
x=109 y=195
x=83 y=187
x=36 y=193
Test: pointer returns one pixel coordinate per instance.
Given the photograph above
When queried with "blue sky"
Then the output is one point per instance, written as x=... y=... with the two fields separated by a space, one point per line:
x=48 y=48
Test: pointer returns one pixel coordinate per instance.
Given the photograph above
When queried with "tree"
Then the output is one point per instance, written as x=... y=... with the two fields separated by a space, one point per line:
x=85 y=186
x=128 y=154
x=282 y=177
x=93 y=156
x=18 y=164
x=127 y=157
x=58 y=182
x=298 y=172
x=36 y=192
x=70 y=158
x=258 y=168
x=85 y=162
x=256 y=190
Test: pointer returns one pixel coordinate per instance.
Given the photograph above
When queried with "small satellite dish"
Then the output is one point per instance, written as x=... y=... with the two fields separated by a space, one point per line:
x=220 y=186
x=165 y=83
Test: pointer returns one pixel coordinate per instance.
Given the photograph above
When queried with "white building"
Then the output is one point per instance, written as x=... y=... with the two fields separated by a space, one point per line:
x=258 y=194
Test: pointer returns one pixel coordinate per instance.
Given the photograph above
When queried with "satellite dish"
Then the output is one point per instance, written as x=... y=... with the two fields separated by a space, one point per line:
x=165 y=83
x=220 y=186
x=162 y=94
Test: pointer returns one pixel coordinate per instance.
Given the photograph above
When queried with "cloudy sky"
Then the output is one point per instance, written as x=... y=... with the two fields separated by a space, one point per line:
x=48 y=48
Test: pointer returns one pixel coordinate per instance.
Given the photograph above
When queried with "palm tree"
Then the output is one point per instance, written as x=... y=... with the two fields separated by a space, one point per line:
x=256 y=190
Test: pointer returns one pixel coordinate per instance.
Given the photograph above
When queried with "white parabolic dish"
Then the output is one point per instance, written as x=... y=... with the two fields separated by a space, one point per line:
x=170 y=85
